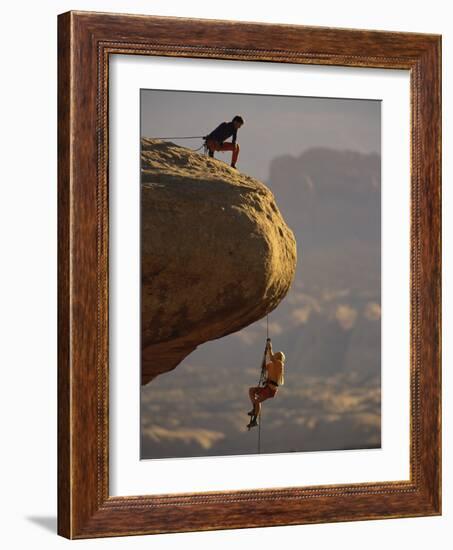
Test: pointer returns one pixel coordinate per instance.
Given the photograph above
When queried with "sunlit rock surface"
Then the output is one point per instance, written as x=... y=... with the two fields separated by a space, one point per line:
x=216 y=254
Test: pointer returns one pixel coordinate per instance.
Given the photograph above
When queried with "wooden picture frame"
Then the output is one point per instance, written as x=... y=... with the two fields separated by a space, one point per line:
x=85 y=42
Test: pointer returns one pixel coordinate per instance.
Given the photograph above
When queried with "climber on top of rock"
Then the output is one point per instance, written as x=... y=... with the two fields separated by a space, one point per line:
x=215 y=141
x=274 y=367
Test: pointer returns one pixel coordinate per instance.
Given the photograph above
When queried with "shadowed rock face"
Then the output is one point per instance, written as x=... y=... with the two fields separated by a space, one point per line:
x=216 y=254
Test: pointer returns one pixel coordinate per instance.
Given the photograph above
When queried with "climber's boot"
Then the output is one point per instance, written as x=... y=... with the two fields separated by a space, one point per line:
x=252 y=423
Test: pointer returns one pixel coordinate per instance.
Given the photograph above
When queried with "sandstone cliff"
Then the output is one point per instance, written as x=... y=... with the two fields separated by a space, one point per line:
x=216 y=255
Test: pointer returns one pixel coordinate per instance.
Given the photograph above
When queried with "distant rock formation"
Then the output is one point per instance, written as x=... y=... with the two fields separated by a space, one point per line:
x=216 y=254
x=330 y=197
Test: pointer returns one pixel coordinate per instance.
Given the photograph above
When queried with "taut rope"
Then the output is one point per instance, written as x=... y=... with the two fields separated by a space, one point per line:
x=261 y=380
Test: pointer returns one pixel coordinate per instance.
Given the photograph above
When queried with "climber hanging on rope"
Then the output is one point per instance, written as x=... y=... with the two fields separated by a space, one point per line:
x=273 y=377
x=215 y=141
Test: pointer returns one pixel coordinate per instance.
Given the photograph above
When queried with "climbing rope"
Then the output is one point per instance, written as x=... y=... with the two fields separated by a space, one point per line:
x=259 y=433
x=179 y=137
x=203 y=145
x=260 y=382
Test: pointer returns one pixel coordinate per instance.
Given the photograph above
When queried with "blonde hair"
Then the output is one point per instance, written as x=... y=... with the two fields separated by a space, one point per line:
x=279 y=355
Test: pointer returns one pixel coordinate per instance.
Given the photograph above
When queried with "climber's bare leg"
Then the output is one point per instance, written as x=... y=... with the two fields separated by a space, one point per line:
x=228 y=146
x=257 y=407
x=234 y=158
x=255 y=400
x=252 y=396
x=255 y=412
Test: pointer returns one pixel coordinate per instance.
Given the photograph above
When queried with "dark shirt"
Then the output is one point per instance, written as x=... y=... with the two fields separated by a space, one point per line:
x=223 y=131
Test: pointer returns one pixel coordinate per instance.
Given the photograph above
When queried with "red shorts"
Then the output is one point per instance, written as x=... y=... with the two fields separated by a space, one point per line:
x=267 y=392
x=216 y=146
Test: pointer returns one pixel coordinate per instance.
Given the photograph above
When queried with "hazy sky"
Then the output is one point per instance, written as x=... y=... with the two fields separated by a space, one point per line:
x=274 y=125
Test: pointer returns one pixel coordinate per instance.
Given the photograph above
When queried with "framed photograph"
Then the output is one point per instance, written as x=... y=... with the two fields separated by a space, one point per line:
x=249 y=275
